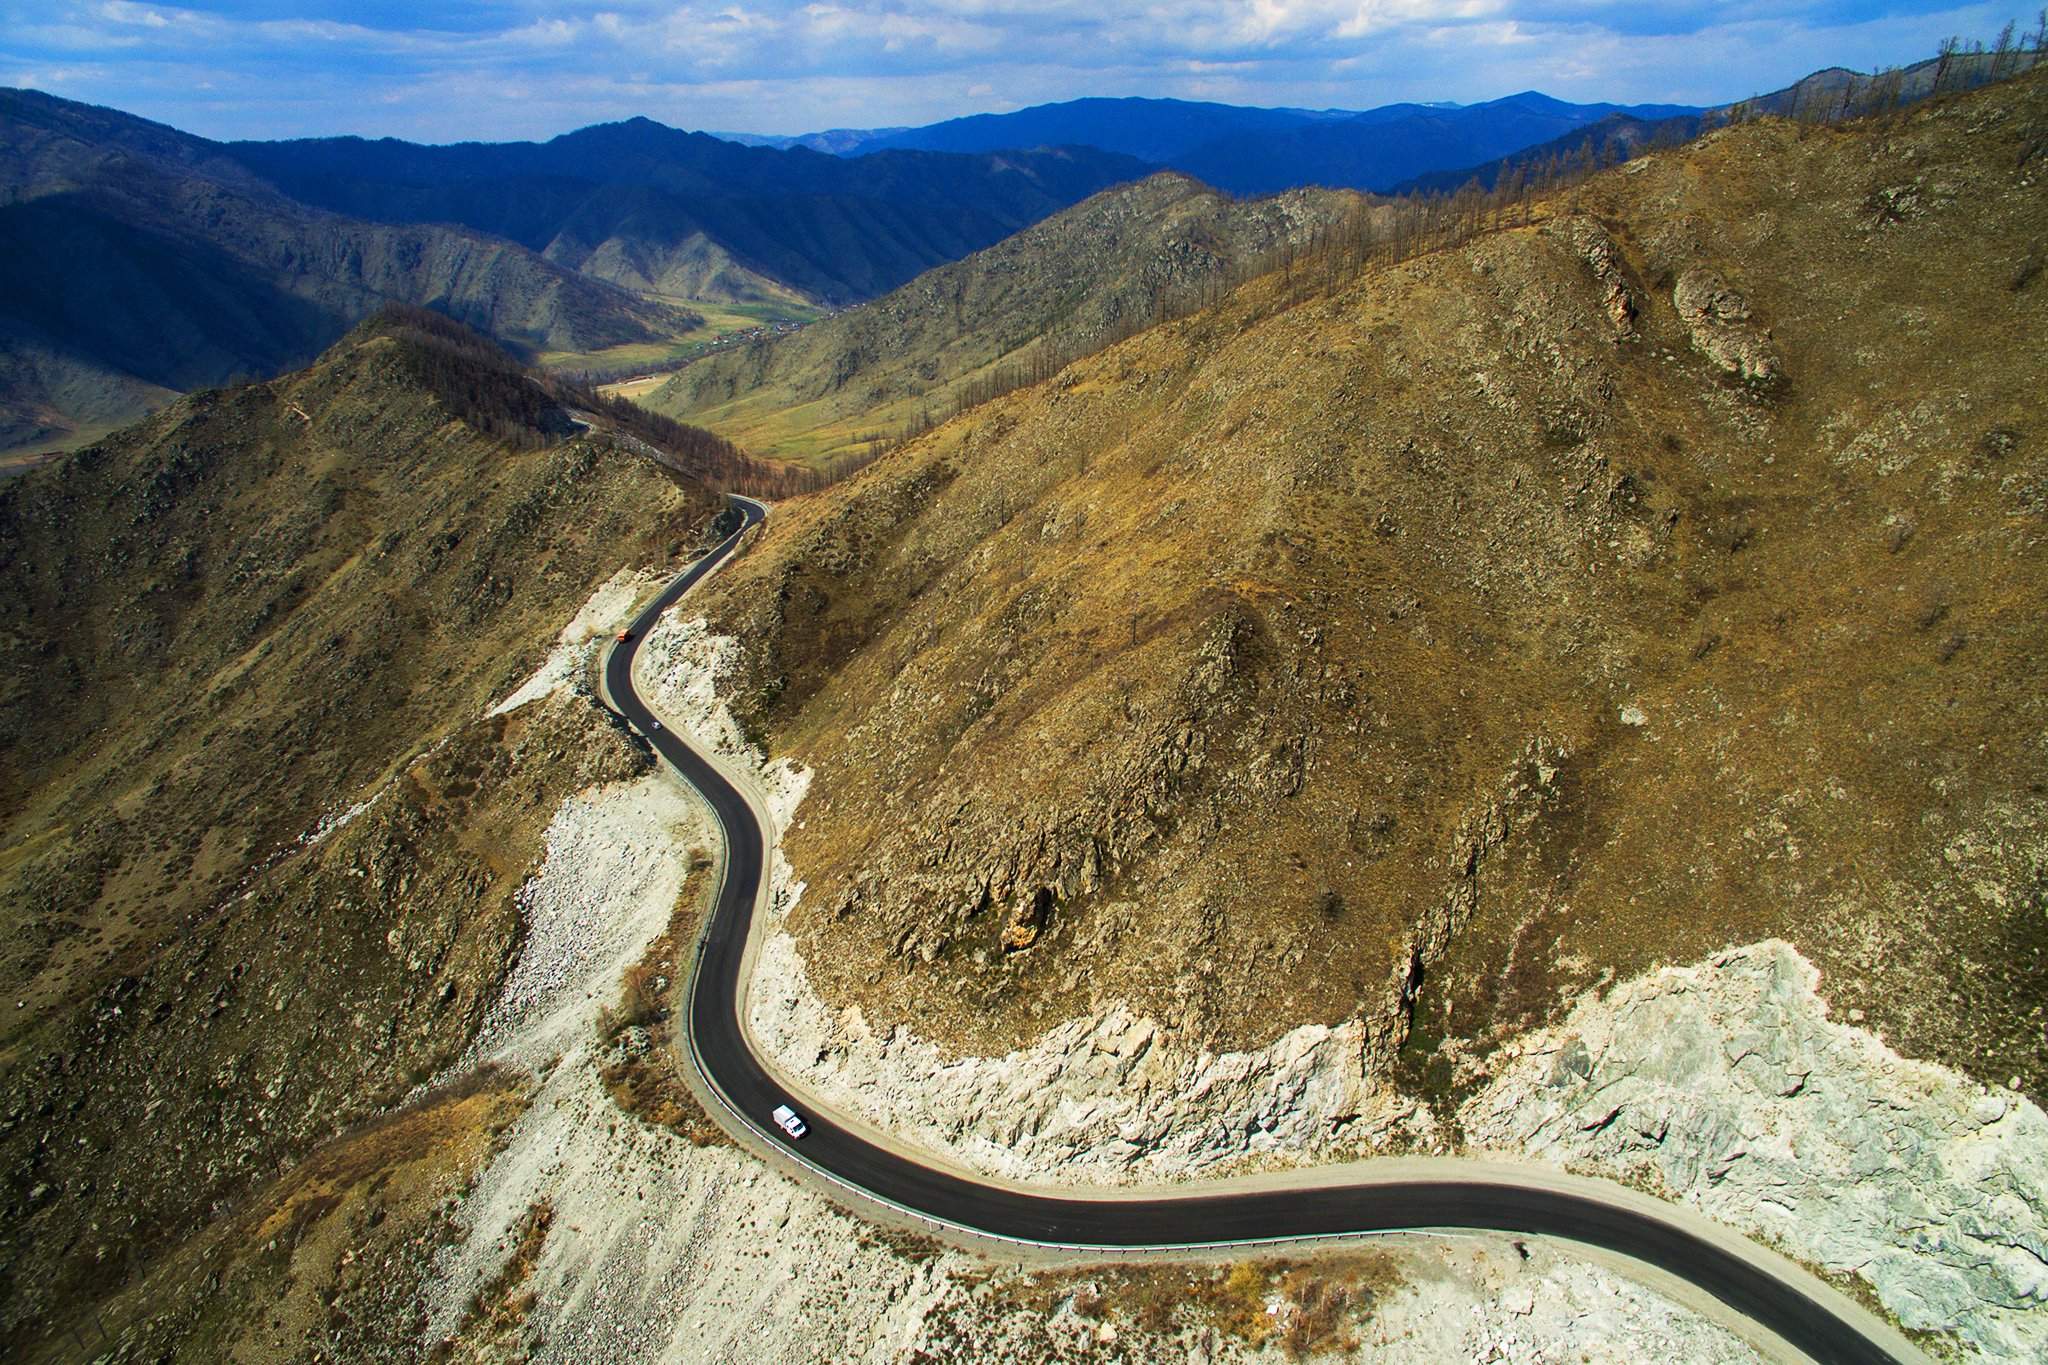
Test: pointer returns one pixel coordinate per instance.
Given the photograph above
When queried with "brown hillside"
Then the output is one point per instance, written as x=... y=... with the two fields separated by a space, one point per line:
x=1080 y=279
x=225 y=626
x=1660 y=575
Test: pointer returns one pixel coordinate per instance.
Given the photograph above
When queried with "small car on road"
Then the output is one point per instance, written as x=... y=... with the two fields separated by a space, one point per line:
x=788 y=1122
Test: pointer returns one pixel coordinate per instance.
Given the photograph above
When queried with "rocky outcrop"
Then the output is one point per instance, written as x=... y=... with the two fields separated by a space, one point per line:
x=1115 y=1099
x=1516 y=802
x=964 y=859
x=1727 y=1086
x=1603 y=258
x=1717 y=318
x=592 y=1237
x=1026 y=920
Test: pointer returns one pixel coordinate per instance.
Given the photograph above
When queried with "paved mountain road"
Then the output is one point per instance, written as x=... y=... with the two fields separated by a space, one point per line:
x=1789 y=1303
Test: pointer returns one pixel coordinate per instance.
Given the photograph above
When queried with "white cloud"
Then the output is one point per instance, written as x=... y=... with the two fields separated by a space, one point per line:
x=523 y=68
x=122 y=12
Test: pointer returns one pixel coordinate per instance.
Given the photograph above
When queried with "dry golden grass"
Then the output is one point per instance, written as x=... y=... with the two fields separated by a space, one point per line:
x=1306 y=1305
x=1339 y=599
x=1071 y=281
x=328 y=1256
x=245 y=615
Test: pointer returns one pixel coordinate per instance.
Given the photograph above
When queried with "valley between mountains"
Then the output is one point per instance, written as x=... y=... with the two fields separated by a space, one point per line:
x=1566 y=696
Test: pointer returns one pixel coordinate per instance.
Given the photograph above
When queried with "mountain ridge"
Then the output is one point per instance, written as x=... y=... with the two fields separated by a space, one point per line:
x=1156 y=130
x=1830 y=92
x=202 y=272
x=249 y=258
x=296 y=602
x=834 y=230
x=1370 y=153
x=1253 y=150
x=1109 y=265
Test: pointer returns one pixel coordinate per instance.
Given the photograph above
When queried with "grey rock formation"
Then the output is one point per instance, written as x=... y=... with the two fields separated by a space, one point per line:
x=1727 y=1085
x=1104 y=1100
x=1717 y=317
x=1593 y=246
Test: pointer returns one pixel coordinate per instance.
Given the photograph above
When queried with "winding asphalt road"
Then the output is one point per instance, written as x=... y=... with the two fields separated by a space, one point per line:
x=719 y=1049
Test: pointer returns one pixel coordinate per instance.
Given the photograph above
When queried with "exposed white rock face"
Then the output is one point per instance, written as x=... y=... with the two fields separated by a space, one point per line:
x=1717 y=319
x=661 y=1251
x=1464 y=1299
x=657 y=1250
x=1730 y=1086
x=1557 y=1310
x=609 y=608
x=679 y=665
x=1591 y=243
x=615 y=862
x=1103 y=1100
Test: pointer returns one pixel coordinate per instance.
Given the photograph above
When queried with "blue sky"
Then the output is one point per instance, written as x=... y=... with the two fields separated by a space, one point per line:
x=439 y=73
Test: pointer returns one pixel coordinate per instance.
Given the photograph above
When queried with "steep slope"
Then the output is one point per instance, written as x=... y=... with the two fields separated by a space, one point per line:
x=1600 y=593
x=217 y=1152
x=261 y=839
x=134 y=260
x=636 y=246
x=830 y=229
x=1103 y=267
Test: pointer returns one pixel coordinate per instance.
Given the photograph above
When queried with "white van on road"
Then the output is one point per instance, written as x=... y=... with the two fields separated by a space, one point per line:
x=788 y=1122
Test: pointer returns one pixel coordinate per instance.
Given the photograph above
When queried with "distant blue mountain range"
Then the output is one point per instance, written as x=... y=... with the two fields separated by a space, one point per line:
x=1260 y=151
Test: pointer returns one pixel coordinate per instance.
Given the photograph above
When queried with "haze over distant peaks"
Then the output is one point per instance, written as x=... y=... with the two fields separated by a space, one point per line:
x=213 y=260
x=1252 y=150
